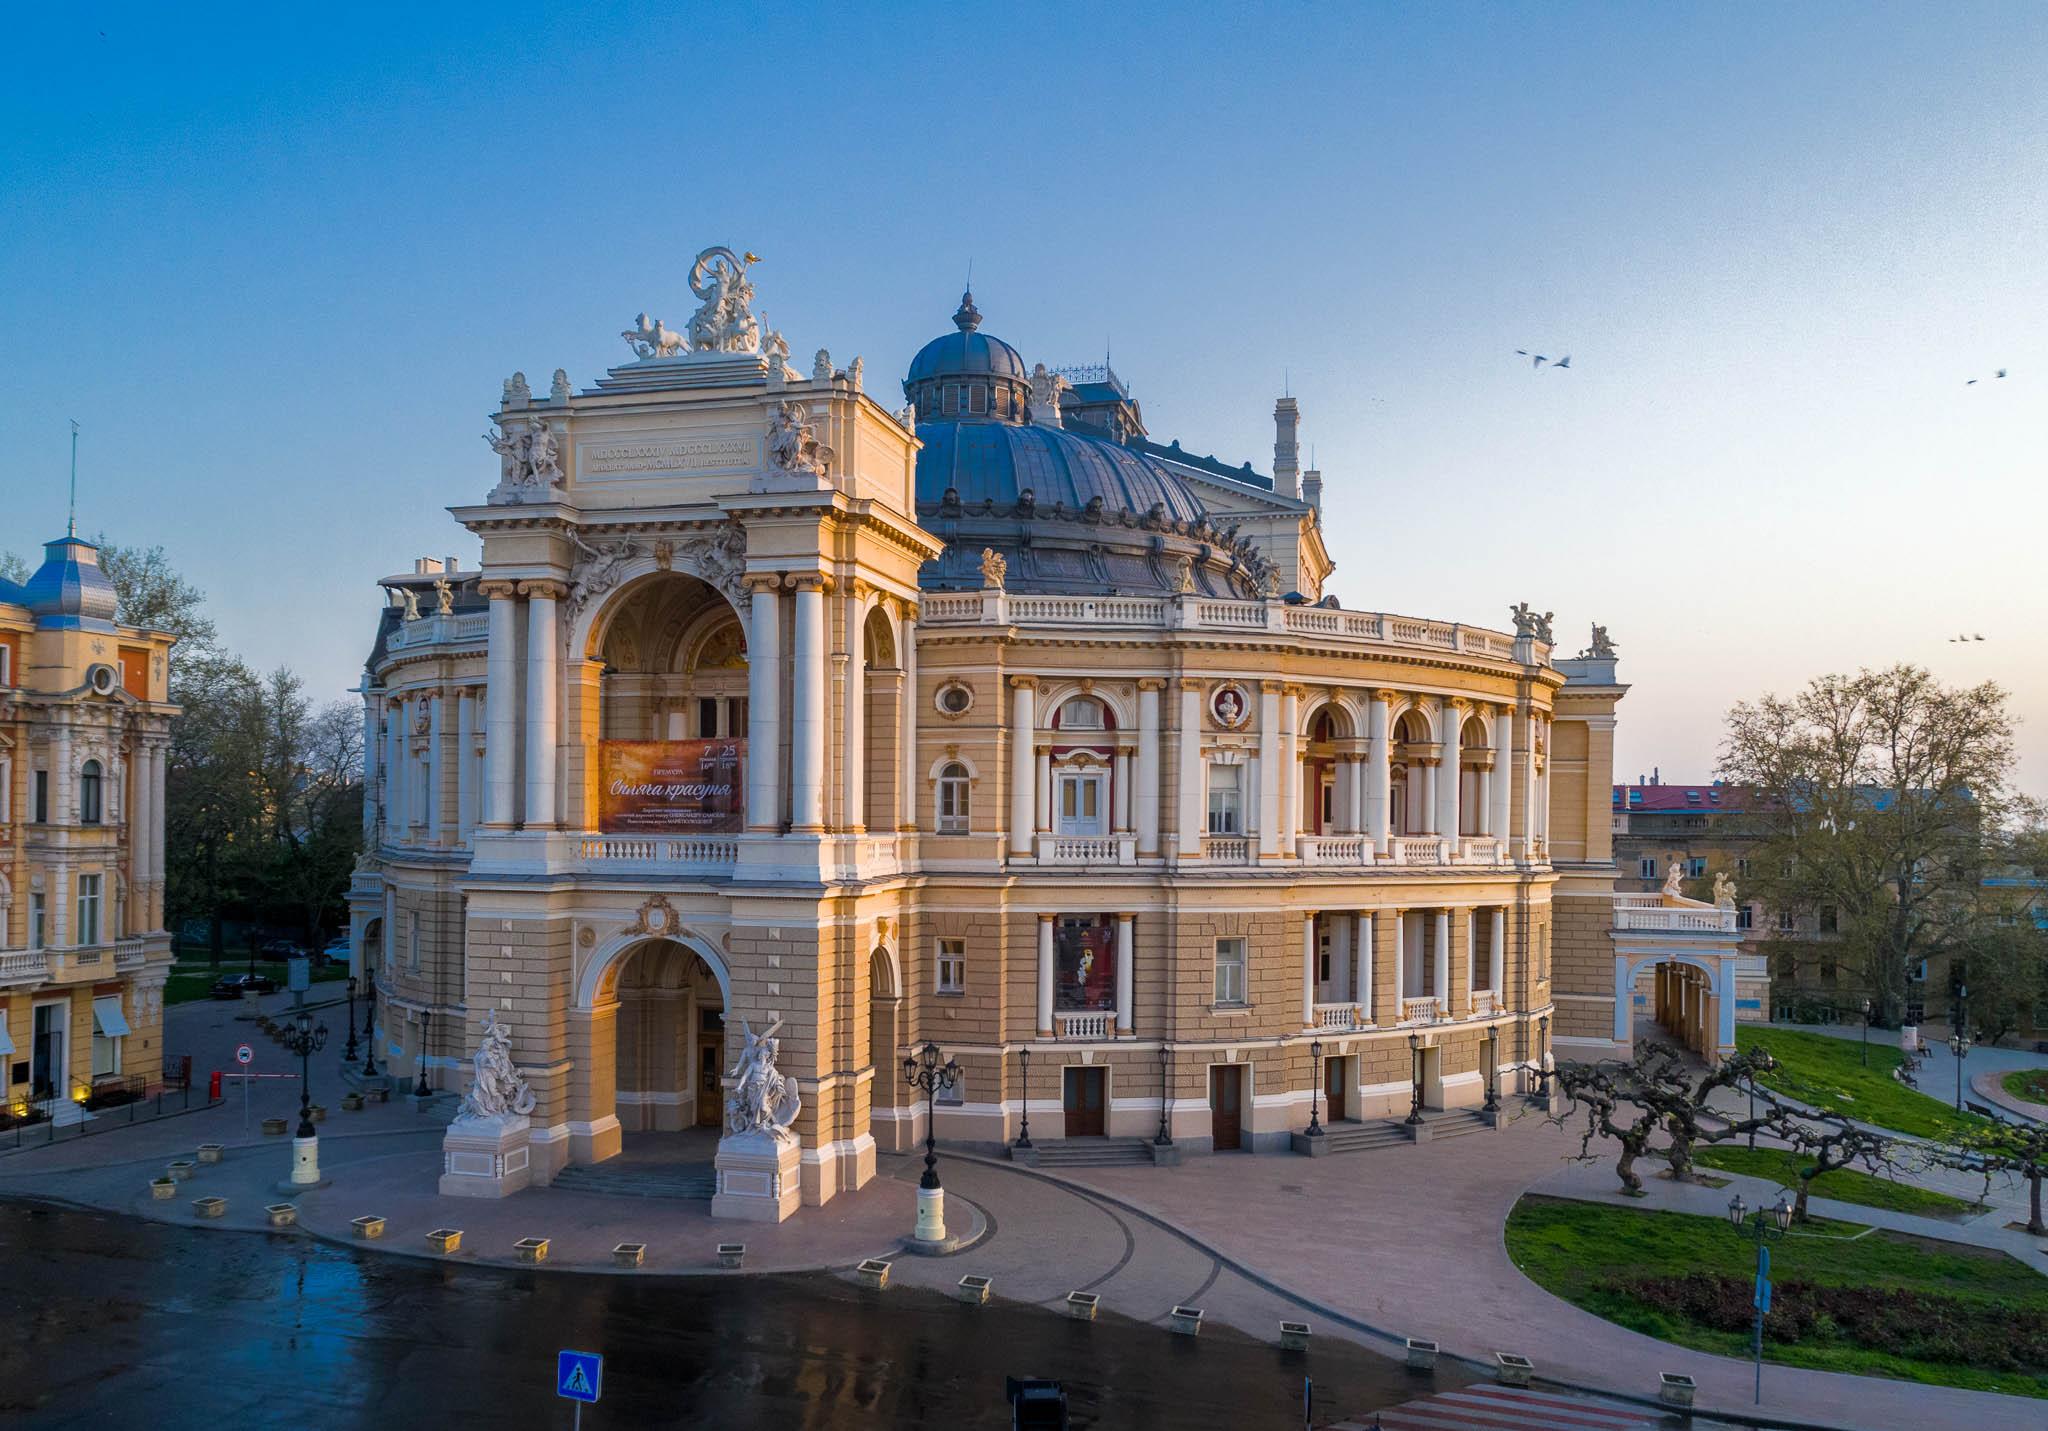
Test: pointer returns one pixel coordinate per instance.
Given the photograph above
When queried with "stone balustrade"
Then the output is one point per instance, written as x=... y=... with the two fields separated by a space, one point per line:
x=1094 y=1024
x=1341 y=1018
x=1426 y=1010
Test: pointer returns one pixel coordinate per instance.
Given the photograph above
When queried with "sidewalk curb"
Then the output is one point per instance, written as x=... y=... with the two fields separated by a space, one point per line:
x=1484 y=1368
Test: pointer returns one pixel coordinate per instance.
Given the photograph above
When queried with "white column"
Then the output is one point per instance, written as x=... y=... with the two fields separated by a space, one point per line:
x=1622 y=995
x=1377 y=781
x=543 y=702
x=807 y=708
x=63 y=779
x=1193 y=778
x=501 y=717
x=1045 y=975
x=1400 y=918
x=1120 y=792
x=1725 y=1034
x=465 y=760
x=1308 y=971
x=1451 y=775
x=1341 y=985
x=1042 y=780
x=1442 y=991
x=1366 y=943
x=1145 y=794
x=1496 y=955
x=1290 y=767
x=1343 y=810
x=853 y=723
x=1269 y=768
x=907 y=737
x=397 y=785
x=1123 y=973
x=764 y=707
x=1540 y=827
x=437 y=758
x=1023 y=766
x=139 y=792
x=372 y=750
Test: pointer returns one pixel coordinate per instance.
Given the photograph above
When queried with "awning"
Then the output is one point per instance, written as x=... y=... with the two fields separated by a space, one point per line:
x=6 y=1042
x=106 y=1016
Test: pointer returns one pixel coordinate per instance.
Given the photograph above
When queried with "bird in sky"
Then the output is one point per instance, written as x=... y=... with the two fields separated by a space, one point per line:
x=1973 y=382
x=1564 y=362
x=1978 y=637
x=1536 y=360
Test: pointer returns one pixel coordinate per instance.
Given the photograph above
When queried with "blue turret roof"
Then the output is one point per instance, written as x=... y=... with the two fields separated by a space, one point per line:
x=69 y=590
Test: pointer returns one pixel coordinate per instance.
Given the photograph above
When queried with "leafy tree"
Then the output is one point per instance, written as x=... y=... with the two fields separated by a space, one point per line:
x=1873 y=796
x=13 y=568
x=153 y=594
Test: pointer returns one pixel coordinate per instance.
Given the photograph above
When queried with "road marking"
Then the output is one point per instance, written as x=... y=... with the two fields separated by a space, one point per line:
x=1497 y=1408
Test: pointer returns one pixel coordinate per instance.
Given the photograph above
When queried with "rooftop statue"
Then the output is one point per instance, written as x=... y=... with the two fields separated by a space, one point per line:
x=1724 y=887
x=1602 y=647
x=725 y=321
x=652 y=338
x=763 y=1099
x=793 y=443
x=444 y=597
x=529 y=456
x=994 y=568
x=1674 y=878
x=497 y=1089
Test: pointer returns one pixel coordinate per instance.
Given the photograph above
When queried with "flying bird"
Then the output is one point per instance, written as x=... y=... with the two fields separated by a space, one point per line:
x=1564 y=362
x=1536 y=360
x=1978 y=637
x=1973 y=382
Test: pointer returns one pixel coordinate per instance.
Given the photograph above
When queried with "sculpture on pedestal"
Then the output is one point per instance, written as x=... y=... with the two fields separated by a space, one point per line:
x=994 y=568
x=763 y=1100
x=497 y=1090
x=530 y=457
x=1724 y=888
x=652 y=338
x=444 y=597
x=725 y=322
x=793 y=443
x=1674 y=878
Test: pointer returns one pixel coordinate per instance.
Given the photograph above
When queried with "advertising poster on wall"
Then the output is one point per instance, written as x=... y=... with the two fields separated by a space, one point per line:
x=670 y=787
x=1084 y=955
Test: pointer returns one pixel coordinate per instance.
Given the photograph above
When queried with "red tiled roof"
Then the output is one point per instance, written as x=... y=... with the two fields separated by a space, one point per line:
x=1681 y=797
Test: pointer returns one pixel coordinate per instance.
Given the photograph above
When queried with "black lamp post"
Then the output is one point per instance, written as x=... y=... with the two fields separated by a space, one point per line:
x=1164 y=1138
x=1864 y=1056
x=370 y=1034
x=1024 y=1126
x=420 y=1089
x=1315 y=1087
x=1761 y=1225
x=923 y=1070
x=1959 y=1045
x=1415 y=1076
x=1492 y=1104
x=304 y=1038
x=348 y=1055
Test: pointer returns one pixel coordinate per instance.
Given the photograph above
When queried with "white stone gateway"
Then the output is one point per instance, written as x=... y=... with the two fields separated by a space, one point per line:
x=758 y=1158
x=486 y=1151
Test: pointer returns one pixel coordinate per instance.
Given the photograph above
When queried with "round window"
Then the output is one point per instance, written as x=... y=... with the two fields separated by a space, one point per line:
x=955 y=699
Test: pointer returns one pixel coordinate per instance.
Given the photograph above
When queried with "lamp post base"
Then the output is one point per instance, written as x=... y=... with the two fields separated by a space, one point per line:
x=931 y=1215
x=306 y=1162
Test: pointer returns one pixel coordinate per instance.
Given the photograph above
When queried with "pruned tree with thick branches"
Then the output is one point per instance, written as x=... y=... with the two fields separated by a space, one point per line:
x=1630 y=1101
x=2017 y=1149
x=1828 y=1141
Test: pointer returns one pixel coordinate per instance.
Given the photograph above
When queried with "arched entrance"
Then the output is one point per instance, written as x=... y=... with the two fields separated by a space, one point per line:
x=1679 y=999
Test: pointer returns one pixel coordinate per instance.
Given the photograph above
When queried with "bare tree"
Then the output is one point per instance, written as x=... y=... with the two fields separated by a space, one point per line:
x=2014 y=1148
x=1828 y=1142
x=1661 y=1092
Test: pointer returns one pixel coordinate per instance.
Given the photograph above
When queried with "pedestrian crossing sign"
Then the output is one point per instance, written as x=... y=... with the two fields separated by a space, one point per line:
x=578 y=1375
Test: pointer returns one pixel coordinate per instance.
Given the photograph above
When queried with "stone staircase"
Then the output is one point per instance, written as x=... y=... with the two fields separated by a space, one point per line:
x=1086 y=1153
x=1361 y=1137
x=691 y=1181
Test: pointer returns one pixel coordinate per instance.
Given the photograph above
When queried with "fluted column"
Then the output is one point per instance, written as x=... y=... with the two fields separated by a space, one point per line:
x=854 y=716
x=372 y=764
x=1189 y=819
x=139 y=794
x=543 y=701
x=1290 y=770
x=501 y=716
x=1042 y=754
x=1045 y=976
x=1023 y=764
x=1399 y=920
x=1145 y=794
x=159 y=756
x=1308 y=971
x=1443 y=960
x=1451 y=775
x=437 y=764
x=63 y=779
x=1123 y=973
x=764 y=704
x=1269 y=770
x=1496 y=954
x=907 y=708
x=1378 y=781
x=807 y=705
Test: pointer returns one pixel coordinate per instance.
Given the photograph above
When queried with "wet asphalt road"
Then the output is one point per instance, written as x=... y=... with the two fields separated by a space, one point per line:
x=111 y=1321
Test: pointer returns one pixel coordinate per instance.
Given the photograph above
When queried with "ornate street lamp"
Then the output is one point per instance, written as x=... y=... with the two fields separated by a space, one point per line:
x=1164 y=1138
x=1959 y=1045
x=348 y=1055
x=1761 y=1225
x=1492 y=1104
x=1315 y=1086
x=1414 y=1117
x=1864 y=1056
x=923 y=1070
x=1024 y=1126
x=420 y=1089
x=370 y=1034
x=304 y=1038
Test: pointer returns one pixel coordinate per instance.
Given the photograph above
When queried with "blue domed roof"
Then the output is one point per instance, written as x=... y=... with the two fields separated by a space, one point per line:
x=967 y=352
x=69 y=591
x=999 y=462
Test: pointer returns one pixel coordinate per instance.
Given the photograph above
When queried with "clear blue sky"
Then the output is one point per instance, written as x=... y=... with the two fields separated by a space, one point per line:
x=278 y=265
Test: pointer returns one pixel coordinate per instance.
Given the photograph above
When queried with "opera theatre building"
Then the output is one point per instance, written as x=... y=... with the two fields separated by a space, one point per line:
x=779 y=705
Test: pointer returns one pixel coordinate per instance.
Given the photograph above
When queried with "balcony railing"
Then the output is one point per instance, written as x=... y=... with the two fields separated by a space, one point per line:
x=1227 y=849
x=1486 y=1003
x=1652 y=913
x=695 y=854
x=1095 y=1024
x=1427 y=1010
x=1340 y=1018
x=1336 y=850
x=1419 y=850
x=24 y=966
x=1482 y=850
x=432 y=630
x=1087 y=849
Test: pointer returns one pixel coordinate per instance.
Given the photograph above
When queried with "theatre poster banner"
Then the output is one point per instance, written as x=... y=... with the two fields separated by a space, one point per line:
x=670 y=787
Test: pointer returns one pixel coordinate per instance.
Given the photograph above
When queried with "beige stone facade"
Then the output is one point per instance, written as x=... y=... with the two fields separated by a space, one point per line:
x=1127 y=829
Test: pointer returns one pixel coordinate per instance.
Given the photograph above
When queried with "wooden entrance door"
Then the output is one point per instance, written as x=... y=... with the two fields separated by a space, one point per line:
x=710 y=1068
x=1226 y=1107
x=1336 y=1074
x=1081 y=1095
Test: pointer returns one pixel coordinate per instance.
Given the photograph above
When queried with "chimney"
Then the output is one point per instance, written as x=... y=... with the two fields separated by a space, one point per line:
x=1285 y=467
x=1312 y=489
x=1656 y=775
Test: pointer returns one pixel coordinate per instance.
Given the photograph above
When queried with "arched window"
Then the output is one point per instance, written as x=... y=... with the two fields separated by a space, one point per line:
x=89 y=793
x=1082 y=713
x=952 y=803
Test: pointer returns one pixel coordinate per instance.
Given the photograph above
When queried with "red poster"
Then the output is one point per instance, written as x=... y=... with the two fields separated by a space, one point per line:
x=670 y=787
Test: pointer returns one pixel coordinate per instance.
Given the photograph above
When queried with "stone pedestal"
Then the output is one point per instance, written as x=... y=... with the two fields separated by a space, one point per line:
x=758 y=1177
x=931 y=1215
x=486 y=1157
x=306 y=1162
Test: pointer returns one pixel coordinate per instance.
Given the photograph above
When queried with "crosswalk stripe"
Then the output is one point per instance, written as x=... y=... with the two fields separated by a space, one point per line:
x=1491 y=1408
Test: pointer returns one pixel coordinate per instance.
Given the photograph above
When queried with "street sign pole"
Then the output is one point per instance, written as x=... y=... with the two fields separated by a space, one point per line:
x=579 y=1377
x=244 y=1055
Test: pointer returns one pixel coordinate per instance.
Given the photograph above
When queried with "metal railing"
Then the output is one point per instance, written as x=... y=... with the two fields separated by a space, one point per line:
x=108 y=1104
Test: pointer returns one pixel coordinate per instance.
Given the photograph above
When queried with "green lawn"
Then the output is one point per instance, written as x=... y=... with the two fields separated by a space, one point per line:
x=1843 y=1185
x=2029 y=1083
x=1883 y=1304
x=1827 y=1072
x=190 y=980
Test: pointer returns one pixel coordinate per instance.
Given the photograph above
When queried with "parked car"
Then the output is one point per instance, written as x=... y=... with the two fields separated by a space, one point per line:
x=281 y=949
x=233 y=986
x=336 y=952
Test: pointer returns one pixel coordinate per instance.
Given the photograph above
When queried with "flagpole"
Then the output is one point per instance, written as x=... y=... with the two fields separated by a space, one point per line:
x=71 y=527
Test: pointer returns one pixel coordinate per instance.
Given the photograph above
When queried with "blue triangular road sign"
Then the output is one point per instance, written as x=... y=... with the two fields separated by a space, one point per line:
x=579 y=1375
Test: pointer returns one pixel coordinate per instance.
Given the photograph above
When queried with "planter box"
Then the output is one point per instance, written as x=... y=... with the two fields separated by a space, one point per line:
x=317 y=1112
x=1674 y=1389
x=211 y=1152
x=368 y=1228
x=282 y=1214
x=873 y=1273
x=273 y=1127
x=1185 y=1320
x=351 y=1102
x=163 y=1189
x=377 y=1095
x=181 y=1170
x=629 y=1254
x=531 y=1249
x=1294 y=1336
x=445 y=1240
x=731 y=1254
x=1512 y=1370
x=1421 y=1354
x=210 y=1206
x=973 y=1290
x=1081 y=1306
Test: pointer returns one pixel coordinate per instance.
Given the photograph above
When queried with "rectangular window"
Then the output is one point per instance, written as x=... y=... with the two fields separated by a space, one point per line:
x=1696 y=867
x=6 y=662
x=707 y=717
x=1230 y=971
x=1081 y=798
x=38 y=920
x=955 y=1095
x=42 y=797
x=1785 y=921
x=88 y=909
x=736 y=716
x=952 y=966
x=1828 y=921
x=1742 y=869
x=1647 y=868
x=412 y=937
x=1226 y=800
x=1745 y=916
